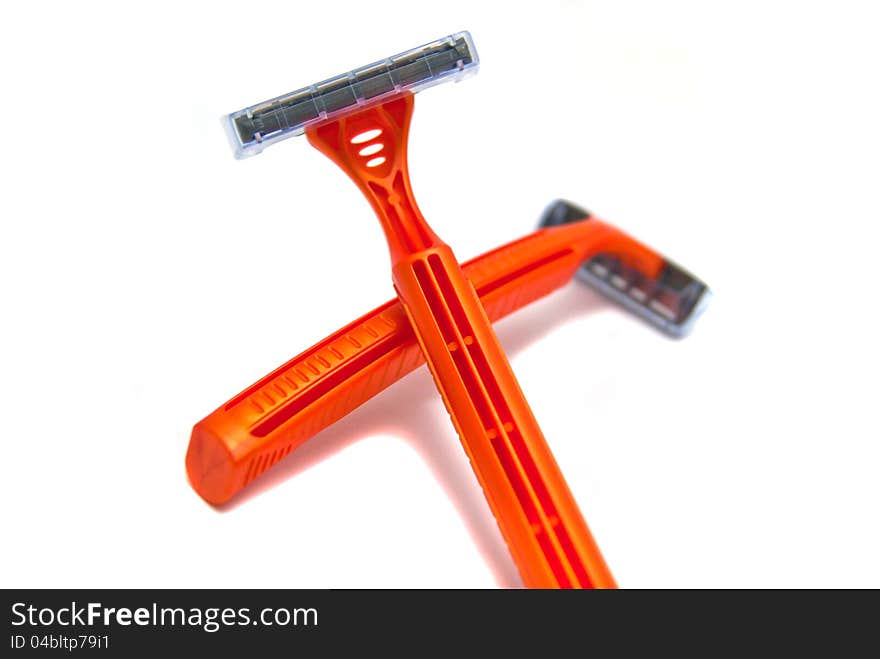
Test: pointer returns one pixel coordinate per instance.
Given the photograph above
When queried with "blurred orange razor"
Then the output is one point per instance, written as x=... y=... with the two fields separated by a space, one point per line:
x=267 y=421
x=263 y=424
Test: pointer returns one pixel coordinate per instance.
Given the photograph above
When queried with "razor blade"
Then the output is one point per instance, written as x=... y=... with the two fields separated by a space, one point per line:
x=671 y=301
x=256 y=127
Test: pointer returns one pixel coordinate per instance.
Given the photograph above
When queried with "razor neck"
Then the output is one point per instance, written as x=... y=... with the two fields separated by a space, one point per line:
x=370 y=146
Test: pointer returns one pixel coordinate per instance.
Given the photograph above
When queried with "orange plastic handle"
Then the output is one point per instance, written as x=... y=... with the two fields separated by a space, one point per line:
x=536 y=512
x=264 y=423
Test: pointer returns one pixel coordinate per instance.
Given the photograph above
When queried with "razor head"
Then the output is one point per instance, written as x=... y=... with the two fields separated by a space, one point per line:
x=671 y=302
x=562 y=212
x=252 y=129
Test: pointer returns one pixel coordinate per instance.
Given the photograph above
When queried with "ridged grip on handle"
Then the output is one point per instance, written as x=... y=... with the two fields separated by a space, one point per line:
x=537 y=514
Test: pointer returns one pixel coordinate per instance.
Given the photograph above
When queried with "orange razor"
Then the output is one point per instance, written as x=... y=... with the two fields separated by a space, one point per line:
x=263 y=424
x=360 y=120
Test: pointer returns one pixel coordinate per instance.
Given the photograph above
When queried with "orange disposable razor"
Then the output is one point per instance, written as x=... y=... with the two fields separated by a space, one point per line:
x=360 y=120
x=260 y=426
x=362 y=123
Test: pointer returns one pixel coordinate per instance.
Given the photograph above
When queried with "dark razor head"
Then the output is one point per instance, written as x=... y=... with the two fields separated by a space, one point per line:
x=671 y=301
x=451 y=58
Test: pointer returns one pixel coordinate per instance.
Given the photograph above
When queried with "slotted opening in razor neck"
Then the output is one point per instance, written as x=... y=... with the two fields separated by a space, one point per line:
x=370 y=146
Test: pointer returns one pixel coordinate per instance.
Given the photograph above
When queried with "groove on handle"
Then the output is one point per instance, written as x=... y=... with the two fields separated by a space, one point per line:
x=532 y=504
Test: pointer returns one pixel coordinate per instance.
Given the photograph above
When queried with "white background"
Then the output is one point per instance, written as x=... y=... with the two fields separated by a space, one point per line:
x=147 y=277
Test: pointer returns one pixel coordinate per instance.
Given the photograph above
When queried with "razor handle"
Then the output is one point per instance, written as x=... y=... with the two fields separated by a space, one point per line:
x=262 y=425
x=537 y=514
x=535 y=511
x=259 y=427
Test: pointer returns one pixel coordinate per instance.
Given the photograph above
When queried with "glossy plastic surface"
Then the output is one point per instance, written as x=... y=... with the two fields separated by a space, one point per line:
x=537 y=514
